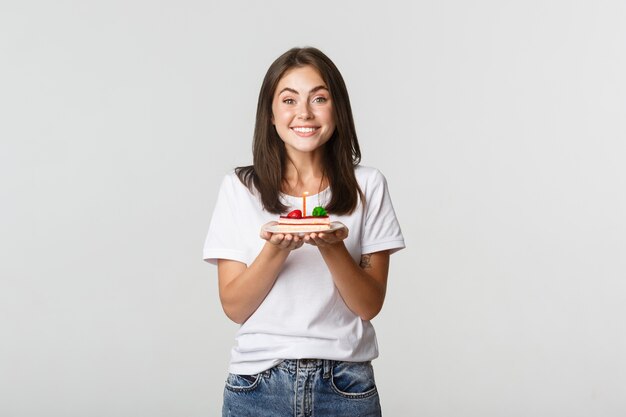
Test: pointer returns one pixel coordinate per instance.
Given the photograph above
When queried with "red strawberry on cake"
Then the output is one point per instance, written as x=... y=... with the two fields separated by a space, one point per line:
x=295 y=222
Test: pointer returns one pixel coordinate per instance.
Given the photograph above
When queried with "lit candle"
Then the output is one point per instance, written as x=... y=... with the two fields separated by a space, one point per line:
x=304 y=194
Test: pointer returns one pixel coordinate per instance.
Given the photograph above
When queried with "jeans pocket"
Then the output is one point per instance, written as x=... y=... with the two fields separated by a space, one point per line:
x=242 y=383
x=353 y=379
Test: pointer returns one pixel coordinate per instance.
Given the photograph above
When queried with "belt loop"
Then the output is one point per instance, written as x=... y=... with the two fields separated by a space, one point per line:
x=327 y=367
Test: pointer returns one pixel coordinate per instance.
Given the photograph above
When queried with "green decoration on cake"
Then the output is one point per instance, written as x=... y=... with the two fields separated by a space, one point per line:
x=319 y=212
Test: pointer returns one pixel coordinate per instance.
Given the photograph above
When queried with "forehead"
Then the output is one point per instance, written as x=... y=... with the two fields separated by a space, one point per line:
x=301 y=78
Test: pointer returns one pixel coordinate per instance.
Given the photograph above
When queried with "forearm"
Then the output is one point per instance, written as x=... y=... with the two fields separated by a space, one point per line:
x=362 y=293
x=243 y=294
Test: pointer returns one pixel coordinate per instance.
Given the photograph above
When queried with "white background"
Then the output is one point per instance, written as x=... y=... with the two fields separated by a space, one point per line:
x=499 y=125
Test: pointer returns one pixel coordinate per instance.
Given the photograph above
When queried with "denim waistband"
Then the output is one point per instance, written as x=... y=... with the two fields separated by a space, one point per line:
x=293 y=365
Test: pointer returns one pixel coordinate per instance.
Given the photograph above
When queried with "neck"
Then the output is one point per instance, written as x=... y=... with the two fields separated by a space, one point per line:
x=304 y=172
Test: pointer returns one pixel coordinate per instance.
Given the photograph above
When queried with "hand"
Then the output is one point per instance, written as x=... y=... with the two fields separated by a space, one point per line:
x=285 y=241
x=322 y=239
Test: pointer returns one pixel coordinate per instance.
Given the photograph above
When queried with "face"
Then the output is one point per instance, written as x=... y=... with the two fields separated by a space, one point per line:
x=302 y=110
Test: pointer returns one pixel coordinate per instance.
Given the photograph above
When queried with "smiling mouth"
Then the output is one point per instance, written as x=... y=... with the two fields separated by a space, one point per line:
x=305 y=132
x=304 y=129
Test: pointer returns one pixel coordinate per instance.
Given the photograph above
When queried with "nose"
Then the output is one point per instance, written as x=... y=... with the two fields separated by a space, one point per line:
x=304 y=112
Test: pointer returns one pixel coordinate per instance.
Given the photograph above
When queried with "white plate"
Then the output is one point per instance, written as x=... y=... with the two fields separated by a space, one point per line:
x=333 y=226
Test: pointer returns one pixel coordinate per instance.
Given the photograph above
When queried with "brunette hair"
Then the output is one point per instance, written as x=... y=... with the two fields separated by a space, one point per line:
x=341 y=153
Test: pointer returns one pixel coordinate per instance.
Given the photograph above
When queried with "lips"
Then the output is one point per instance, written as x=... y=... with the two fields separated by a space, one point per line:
x=305 y=130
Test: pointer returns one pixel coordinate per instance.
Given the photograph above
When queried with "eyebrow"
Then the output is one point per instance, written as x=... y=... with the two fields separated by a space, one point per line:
x=313 y=90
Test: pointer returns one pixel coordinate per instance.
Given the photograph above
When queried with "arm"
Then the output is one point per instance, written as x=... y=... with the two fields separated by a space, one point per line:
x=242 y=289
x=363 y=286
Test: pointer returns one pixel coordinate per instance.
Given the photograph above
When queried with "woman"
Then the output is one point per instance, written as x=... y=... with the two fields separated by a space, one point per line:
x=304 y=302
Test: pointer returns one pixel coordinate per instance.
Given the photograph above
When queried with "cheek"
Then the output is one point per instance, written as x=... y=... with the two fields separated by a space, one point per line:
x=326 y=113
x=273 y=115
x=280 y=117
x=332 y=125
x=276 y=113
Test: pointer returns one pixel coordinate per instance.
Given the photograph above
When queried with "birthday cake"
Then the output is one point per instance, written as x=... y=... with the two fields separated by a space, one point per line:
x=296 y=222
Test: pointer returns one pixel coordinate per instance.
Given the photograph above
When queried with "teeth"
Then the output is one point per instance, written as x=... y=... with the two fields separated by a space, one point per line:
x=304 y=129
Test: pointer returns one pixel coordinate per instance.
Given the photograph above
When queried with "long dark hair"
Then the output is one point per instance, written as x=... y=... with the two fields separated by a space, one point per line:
x=341 y=153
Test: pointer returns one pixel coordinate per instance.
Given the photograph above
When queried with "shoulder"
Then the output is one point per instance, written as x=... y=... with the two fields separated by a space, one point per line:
x=231 y=177
x=231 y=184
x=230 y=180
x=368 y=177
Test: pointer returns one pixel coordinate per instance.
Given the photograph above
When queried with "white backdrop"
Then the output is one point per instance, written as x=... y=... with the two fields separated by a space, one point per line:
x=499 y=125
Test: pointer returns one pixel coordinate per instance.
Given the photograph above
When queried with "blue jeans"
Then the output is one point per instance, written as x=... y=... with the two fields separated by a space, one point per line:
x=303 y=388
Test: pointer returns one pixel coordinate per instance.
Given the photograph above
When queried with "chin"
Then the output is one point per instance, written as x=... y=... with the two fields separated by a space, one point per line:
x=304 y=149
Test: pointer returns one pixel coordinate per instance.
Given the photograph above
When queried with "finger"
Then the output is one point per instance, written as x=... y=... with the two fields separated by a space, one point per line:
x=325 y=237
x=277 y=238
x=287 y=241
x=320 y=239
x=325 y=240
x=296 y=243
x=310 y=241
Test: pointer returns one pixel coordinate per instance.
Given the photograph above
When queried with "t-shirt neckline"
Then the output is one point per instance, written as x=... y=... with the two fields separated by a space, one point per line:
x=295 y=197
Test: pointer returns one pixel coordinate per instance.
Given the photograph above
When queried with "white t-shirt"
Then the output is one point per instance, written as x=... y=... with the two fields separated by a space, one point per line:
x=303 y=316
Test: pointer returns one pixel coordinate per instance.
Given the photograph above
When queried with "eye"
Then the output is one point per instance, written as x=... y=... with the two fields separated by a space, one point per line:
x=289 y=101
x=320 y=99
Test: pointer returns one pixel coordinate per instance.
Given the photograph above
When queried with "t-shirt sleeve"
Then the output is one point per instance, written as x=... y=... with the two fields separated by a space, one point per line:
x=222 y=238
x=381 y=230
